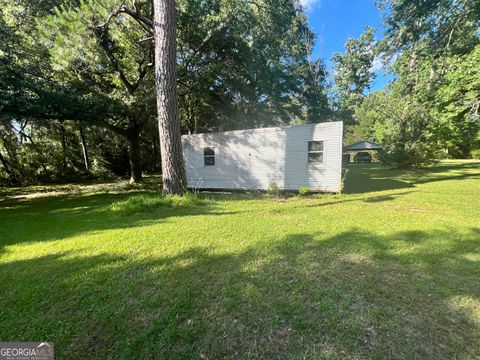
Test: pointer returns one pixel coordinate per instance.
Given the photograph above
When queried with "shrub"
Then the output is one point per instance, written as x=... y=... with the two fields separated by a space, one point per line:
x=151 y=202
x=408 y=158
x=475 y=154
x=273 y=188
x=304 y=190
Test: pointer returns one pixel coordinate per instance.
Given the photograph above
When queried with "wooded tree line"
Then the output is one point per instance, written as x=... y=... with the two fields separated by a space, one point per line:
x=431 y=108
x=90 y=65
x=78 y=93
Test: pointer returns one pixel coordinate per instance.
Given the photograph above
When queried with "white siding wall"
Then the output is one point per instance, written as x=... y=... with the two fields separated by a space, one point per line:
x=251 y=159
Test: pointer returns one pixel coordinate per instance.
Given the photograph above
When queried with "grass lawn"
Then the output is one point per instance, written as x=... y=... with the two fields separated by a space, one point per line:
x=391 y=269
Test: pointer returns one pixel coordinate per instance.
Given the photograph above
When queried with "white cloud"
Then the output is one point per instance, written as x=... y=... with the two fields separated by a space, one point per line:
x=382 y=63
x=378 y=64
x=310 y=4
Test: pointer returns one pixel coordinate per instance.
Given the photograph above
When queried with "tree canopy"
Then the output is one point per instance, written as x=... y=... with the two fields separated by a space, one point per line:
x=430 y=109
x=239 y=64
x=77 y=79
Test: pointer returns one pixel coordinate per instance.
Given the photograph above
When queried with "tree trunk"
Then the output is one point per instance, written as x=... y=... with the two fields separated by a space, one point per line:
x=134 y=155
x=156 y=153
x=64 y=147
x=16 y=172
x=8 y=170
x=84 y=149
x=411 y=86
x=173 y=170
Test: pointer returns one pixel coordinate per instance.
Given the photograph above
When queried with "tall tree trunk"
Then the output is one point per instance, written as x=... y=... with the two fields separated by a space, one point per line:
x=17 y=174
x=84 y=149
x=64 y=147
x=134 y=155
x=173 y=170
x=156 y=153
x=8 y=170
x=411 y=86
x=401 y=144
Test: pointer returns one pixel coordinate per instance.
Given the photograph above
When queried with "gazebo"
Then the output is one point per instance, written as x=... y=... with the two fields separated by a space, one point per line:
x=360 y=146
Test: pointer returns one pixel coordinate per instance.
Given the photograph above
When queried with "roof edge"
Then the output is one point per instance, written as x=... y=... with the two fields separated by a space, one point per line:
x=263 y=128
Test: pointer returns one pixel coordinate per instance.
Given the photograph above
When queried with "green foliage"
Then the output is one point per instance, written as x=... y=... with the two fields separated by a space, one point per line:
x=247 y=64
x=34 y=152
x=304 y=190
x=380 y=119
x=240 y=65
x=405 y=158
x=372 y=116
x=430 y=110
x=475 y=154
x=458 y=103
x=38 y=103
x=431 y=27
x=88 y=64
x=273 y=189
x=147 y=203
x=353 y=73
x=26 y=75
x=90 y=47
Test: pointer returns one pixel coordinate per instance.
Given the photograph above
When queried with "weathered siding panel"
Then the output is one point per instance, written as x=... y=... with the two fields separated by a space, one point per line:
x=251 y=159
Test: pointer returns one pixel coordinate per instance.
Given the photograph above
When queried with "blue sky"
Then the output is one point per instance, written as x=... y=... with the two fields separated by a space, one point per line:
x=334 y=21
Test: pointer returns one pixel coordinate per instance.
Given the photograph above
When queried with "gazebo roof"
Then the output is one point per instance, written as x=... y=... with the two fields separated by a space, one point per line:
x=363 y=145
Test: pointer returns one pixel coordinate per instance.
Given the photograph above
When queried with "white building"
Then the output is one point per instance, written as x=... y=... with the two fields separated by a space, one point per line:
x=292 y=157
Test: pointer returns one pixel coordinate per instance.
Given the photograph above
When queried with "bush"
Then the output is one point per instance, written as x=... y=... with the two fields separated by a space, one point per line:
x=475 y=154
x=304 y=190
x=408 y=158
x=151 y=202
x=273 y=188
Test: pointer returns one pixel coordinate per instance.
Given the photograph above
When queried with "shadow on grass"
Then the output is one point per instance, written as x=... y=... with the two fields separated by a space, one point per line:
x=370 y=199
x=58 y=217
x=361 y=178
x=353 y=295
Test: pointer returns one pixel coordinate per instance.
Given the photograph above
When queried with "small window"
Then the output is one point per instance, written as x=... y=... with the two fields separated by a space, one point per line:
x=208 y=156
x=315 y=152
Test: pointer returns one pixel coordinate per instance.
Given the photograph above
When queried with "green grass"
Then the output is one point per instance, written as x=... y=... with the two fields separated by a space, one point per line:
x=391 y=269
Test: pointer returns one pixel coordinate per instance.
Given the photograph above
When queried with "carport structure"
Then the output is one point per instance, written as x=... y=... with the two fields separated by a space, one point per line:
x=360 y=146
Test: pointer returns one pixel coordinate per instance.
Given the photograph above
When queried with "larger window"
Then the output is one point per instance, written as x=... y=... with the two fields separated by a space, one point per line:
x=315 y=152
x=208 y=156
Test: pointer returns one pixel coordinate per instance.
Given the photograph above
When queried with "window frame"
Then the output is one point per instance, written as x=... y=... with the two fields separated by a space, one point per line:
x=315 y=152
x=209 y=156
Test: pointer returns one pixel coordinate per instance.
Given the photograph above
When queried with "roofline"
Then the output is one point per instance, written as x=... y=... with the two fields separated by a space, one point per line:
x=260 y=129
x=365 y=141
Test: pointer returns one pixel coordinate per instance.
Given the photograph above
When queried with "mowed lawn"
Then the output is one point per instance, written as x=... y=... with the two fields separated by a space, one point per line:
x=390 y=269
